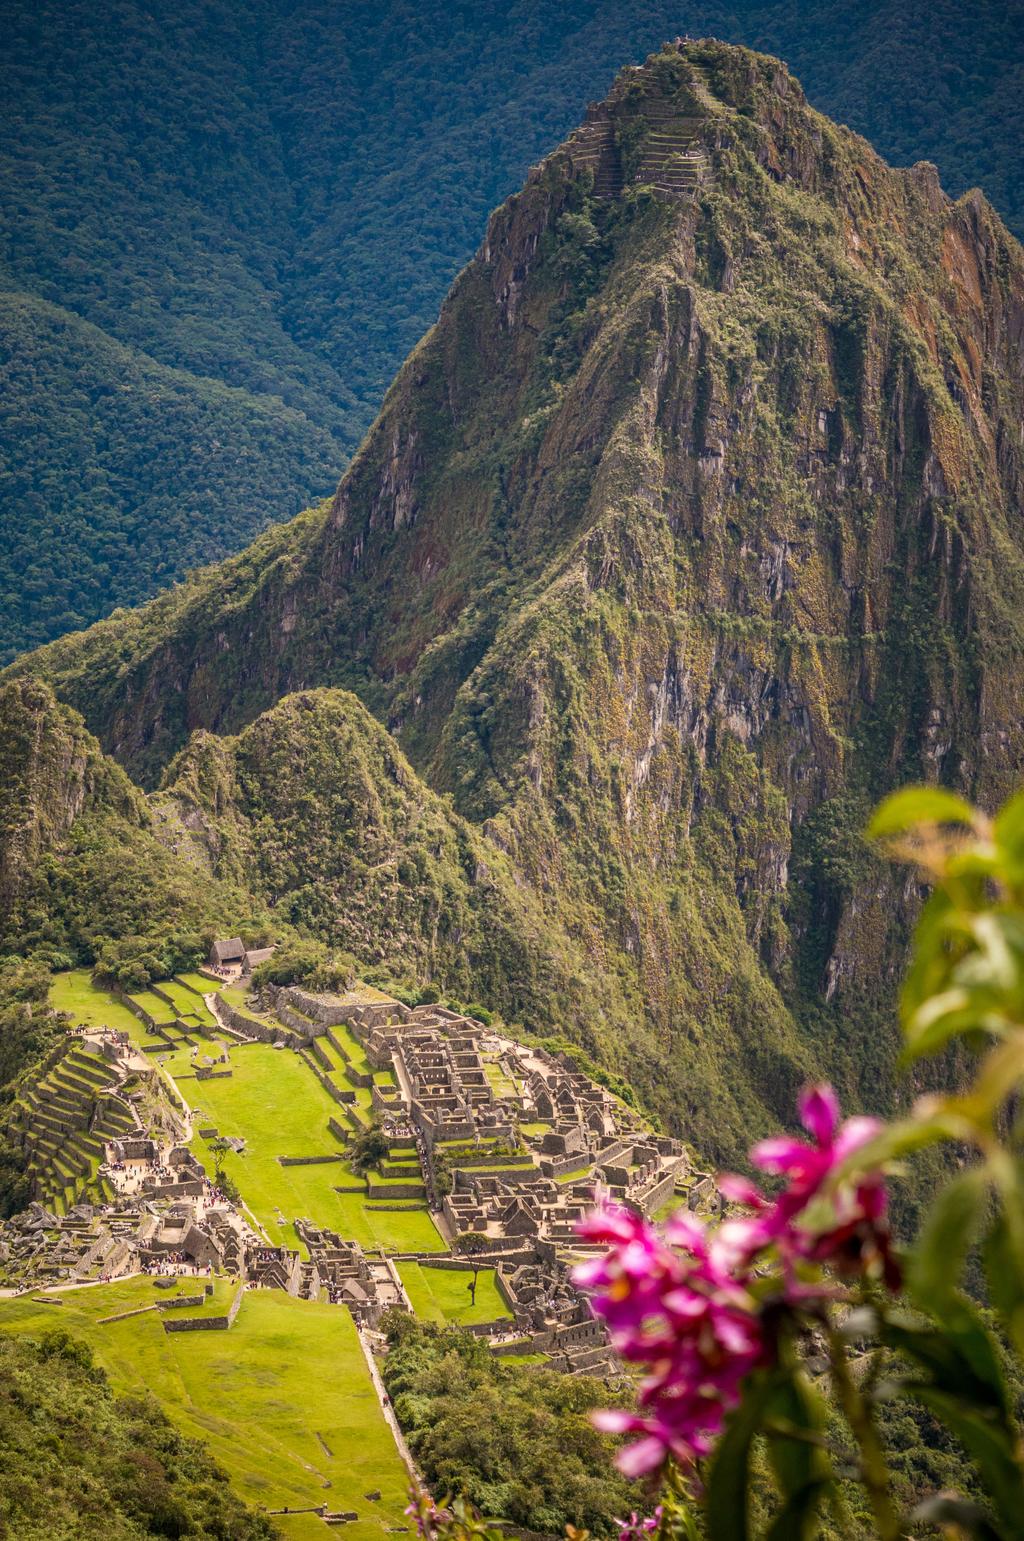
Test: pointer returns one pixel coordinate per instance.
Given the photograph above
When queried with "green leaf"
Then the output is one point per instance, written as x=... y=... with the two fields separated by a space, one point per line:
x=729 y=1477
x=958 y=1354
x=912 y=806
x=800 y=1464
x=1008 y=832
x=798 y=1516
x=1003 y=1253
x=940 y=1251
x=785 y=1398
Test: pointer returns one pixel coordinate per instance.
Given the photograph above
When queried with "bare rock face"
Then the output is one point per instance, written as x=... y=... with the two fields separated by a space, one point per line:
x=692 y=527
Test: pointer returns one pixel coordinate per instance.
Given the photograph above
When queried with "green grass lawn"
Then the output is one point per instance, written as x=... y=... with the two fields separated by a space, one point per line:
x=399 y=1230
x=576 y=1175
x=158 y=1009
x=513 y=1164
x=352 y=1047
x=238 y=996
x=178 y=1062
x=442 y=1294
x=287 y=1381
x=677 y=1201
x=499 y=1083
x=75 y=993
x=330 y=1053
x=188 y=1003
x=199 y=983
x=273 y=1101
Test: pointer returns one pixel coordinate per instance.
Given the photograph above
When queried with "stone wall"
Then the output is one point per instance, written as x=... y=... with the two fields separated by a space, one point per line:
x=135 y=1009
x=556 y=1167
x=209 y=1323
x=655 y=1197
x=340 y=1094
x=395 y=1190
x=198 y=1324
x=191 y=1188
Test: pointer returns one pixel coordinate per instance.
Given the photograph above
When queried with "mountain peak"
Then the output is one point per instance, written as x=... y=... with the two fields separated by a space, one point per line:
x=691 y=525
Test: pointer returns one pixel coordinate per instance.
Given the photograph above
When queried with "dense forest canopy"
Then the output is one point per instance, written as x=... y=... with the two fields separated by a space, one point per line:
x=225 y=226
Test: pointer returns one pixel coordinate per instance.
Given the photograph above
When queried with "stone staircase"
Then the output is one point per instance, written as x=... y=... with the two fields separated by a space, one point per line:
x=309 y=1282
x=592 y=148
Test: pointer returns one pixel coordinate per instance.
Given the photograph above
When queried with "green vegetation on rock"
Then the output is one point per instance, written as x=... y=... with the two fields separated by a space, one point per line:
x=516 y=1440
x=80 y=1462
x=442 y=1295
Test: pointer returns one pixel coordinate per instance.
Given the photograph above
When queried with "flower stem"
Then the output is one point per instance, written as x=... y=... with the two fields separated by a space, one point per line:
x=873 y=1468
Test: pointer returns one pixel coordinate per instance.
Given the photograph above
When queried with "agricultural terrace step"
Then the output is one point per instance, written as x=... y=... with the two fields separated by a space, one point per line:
x=40 y=1105
x=113 y=1120
x=69 y=1085
x=56 y=1096
x=51 y=1125
x=85 y=1145
x=74 y=1083
x=90 y=1066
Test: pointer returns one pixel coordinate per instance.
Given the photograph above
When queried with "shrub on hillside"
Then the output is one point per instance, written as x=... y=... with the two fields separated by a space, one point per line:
x=310 y=964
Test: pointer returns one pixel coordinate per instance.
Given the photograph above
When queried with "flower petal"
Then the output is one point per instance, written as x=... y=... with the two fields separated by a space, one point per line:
x=740 y=1190
x=615 y=1420
x=854 y=1133
x=819 y=1112
x=644 y=1456
x=781 y=1154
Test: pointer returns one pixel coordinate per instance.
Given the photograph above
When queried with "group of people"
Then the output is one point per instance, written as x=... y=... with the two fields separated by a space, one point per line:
x=175 y=1263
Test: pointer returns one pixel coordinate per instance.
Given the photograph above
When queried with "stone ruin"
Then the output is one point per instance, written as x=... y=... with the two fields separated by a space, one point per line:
x=509 y=1141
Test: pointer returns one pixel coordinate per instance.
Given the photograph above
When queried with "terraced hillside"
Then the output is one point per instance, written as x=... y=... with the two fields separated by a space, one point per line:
x=288 y=1105
x=65 y=1119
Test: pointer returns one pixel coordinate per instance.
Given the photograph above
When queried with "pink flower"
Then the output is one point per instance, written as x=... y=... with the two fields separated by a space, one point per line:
x=858 y=1237
x=685 y=1302
x=677 y=1304
x=637 y=1529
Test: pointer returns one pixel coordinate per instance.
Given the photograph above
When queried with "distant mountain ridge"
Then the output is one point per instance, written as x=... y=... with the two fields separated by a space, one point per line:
x=273 y=199
x=691 y=528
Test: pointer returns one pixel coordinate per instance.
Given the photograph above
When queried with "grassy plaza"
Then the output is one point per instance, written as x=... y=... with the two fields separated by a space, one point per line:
x=442 y=1295
x=247 y=1392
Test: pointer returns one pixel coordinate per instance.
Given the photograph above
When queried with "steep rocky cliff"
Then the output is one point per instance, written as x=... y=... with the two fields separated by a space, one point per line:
x=692 y=526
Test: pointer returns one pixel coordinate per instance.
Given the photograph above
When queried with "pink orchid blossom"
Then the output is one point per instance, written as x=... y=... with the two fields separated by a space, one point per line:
x=684 y=1300
x=637 y=1528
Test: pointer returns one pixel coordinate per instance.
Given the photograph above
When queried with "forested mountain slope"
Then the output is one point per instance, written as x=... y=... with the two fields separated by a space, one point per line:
x=692 y=527
x=224 y=226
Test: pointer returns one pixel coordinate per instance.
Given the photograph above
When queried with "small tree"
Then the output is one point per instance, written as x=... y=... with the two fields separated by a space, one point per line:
x=368 y=1150
x=471 y=1242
